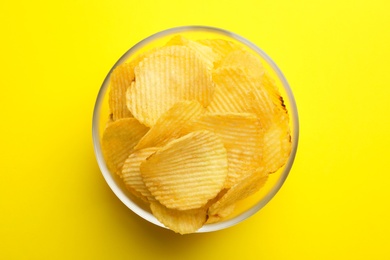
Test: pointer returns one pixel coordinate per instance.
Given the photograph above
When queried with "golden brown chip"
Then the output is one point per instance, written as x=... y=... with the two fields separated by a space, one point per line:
x=241 y=190
x=263 y=106
x=242 y=136
x=187 y=172
x=245 y=60
x=238 y=91
x=170 y=124
x=176 y=74
x=180 y=221
x=205 y=52
x=233 y=91
x=131 y=174
x=221 y=214
x=269 y=84
x=277 y=144
x=269 y=106
x=121 y=78
x=134 y=61
x=267 y=89
x=220 y=46
x=118 y=141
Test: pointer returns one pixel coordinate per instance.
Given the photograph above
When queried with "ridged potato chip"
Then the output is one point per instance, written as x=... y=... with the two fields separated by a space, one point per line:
x=263 y=106
x=180 y=221
x=268 y=83
x=153 y=52
x=245 y=187
x=121 y=78
x=177 y=73
x=246 y=61
x=233 y=91
x=268 y=102
x=187 y=172
x=170 y=124
x=238 y=91
x=118 y=141
x=277 y=144
x=242 y=136
x=222 y=213
x=205 y=52
x=220 y=46
x=269 y=106
x=131 y=174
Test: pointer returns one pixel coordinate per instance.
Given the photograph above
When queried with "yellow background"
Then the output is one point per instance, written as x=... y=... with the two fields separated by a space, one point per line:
x=54 y=202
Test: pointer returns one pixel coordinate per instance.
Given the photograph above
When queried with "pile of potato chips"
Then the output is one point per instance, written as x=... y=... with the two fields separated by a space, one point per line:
x=195 y=126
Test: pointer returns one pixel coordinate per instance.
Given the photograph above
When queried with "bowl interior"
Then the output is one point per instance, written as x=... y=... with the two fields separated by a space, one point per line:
x=244 y=208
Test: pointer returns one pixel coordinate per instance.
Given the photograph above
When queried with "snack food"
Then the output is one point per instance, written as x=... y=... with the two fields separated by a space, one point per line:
x=212 y=127
x=187 y=172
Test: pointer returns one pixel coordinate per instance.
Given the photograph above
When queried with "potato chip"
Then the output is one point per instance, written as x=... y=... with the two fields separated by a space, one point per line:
x=245 y=187
x=121 y=78
x=269 y=84
x=187 y=172
x=205 y=52
x=180 y=221
x=238 y=91
x=221 y=214
x=246 y=61
x=242 y=136
x=232 y=91
x=220 y=46
x=277 y=144
x=169 y=125
x=176 y=74
x=131 y=174
x=118 y=141
x=269 y=105
x=263 y=106
x=153 y=52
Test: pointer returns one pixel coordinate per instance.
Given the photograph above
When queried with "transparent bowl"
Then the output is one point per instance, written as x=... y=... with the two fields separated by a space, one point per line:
x=244 y=208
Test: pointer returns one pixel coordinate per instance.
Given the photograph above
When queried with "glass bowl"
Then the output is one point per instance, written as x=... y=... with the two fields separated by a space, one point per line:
x=245 y=208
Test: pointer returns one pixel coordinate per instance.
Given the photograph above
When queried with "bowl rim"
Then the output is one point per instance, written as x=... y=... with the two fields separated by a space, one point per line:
x=293 y=117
